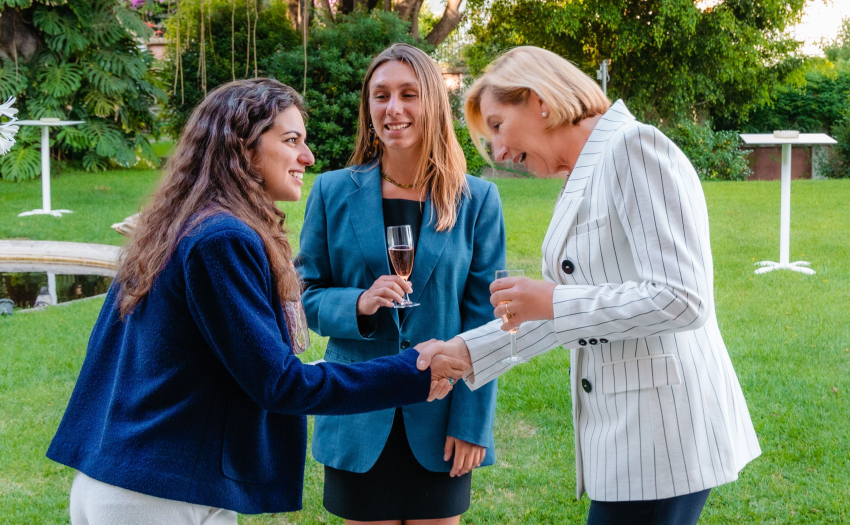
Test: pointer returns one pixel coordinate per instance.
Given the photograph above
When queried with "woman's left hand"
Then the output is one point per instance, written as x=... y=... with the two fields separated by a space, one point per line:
x=467 y=455
x=527 y=300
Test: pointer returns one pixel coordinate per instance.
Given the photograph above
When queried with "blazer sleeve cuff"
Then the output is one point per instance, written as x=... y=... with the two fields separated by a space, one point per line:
x=487 y=345
x=338 y=315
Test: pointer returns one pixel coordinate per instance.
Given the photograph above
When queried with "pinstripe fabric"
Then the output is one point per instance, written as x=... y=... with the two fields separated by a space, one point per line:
x=665 y=415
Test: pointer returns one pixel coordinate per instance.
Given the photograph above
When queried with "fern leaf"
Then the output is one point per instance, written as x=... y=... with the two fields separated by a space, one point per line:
x=22 y=163
x=60 y=80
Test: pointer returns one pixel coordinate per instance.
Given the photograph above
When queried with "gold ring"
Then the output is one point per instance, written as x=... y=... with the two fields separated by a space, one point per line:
x=508 y=311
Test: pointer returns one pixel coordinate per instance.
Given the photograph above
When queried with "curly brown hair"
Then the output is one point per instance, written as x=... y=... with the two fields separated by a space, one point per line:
x=213 y=171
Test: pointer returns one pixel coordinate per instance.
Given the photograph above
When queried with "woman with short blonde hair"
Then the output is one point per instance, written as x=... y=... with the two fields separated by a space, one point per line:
x=659 y=416
x=412 y=465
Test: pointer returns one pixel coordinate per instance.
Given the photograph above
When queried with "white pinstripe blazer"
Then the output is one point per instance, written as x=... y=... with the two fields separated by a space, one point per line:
x=657 y=408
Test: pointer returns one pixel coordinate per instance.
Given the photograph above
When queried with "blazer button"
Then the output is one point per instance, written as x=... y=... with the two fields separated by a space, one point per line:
x=582 y=342
x=593 y=342
x=585 y=384
x=405 y=344
x=568 y=266
x=603 y=340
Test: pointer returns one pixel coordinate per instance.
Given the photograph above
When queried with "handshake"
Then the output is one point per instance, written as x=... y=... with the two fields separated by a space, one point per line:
x=449 y=362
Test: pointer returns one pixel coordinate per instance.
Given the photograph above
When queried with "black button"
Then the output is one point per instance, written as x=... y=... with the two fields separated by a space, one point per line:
x=593 y=341
x=582 y=342
x=585 y=384
x=603 y=340
x=405 y=344
x=568 y=266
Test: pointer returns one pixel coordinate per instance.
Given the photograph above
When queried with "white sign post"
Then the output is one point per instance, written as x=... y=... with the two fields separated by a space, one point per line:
x=767 y=139
x=45 y=165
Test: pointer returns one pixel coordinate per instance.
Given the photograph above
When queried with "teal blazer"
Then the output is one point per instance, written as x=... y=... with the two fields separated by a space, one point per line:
x=343 y=251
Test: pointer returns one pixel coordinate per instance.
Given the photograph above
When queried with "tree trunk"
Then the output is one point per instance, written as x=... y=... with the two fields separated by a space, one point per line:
x=293 y=9
x=448 y=23
x=407 y=8
x=326 y=6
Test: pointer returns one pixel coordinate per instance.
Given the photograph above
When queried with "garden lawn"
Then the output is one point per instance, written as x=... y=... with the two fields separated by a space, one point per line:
x=788 y=335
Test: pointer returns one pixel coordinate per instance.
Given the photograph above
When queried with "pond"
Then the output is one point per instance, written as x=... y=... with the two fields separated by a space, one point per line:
x=42 y=285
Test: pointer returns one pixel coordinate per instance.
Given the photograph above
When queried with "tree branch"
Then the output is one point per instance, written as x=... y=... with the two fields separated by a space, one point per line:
x=448 y=23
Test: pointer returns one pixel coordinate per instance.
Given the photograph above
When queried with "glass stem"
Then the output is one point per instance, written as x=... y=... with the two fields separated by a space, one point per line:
x=513 y=345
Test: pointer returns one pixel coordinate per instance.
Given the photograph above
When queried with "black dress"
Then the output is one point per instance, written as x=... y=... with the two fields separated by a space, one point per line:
x=397 y=487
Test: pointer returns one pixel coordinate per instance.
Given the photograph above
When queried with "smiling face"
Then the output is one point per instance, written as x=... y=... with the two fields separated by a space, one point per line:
x=283 y=156
x=395 y=105
x=518 y=133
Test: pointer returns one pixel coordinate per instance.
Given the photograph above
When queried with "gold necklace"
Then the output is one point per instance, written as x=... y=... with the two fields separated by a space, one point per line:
x=400 y=185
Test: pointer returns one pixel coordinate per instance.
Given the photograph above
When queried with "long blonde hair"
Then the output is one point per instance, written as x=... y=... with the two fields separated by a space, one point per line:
x=570 y=94
x=442 y=167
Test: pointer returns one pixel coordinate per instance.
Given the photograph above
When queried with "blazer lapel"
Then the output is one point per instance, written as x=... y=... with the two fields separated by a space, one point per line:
x=431 y=246
x=366 y=213
x=572 y=196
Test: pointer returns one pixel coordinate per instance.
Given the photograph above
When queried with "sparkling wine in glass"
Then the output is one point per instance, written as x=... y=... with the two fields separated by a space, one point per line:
x=513 y=359
x=400 y=247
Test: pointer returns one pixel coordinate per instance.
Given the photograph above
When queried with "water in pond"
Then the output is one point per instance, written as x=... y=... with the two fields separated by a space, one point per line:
x=24 y=287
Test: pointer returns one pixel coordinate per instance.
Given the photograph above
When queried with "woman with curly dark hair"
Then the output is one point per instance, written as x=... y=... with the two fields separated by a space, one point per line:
x=190 y=404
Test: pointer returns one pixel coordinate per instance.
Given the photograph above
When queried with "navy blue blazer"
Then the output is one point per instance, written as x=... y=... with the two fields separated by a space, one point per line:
x=198 y=397
x=343 y=252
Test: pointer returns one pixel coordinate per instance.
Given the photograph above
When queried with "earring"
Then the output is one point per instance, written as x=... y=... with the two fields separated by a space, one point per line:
x=544 y=115
x=373 y=140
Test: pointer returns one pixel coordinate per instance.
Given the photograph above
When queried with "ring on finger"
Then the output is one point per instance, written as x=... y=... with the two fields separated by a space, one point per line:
x=510 y=315
x=451 y=381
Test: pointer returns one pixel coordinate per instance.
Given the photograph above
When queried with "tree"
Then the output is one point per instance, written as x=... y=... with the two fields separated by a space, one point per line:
x=408 y=11
x=78 y=60
x=670 y=60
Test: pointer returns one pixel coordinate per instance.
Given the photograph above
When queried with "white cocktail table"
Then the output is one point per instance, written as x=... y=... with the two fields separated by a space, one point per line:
x=45 y=165
x=767 y=139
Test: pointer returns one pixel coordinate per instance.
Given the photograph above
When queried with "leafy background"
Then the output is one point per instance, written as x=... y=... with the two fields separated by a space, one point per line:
x=88 y=67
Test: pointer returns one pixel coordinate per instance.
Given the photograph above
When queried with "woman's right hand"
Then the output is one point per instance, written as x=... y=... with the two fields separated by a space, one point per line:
x=446 y=371
x=385 y=290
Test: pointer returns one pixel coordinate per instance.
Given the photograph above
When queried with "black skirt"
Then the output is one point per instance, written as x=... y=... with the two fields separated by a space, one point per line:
x=397 y=487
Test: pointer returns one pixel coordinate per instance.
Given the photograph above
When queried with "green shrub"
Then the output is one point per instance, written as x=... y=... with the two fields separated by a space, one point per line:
x=475 y=163
x=338 y=56
x=716 y=155
x=89 y=68
x=838 y=163
x=273 y=33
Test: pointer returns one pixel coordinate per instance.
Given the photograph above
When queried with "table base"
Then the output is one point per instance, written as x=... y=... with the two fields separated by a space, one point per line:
x=55 y=213
x=796 y=266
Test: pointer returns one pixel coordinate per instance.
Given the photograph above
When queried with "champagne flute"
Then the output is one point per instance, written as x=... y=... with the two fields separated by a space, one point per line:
x=513 y=359
x=400 y=247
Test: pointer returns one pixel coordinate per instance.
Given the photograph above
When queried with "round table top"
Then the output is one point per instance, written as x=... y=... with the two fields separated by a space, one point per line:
x=805 y=139
x=40 y=123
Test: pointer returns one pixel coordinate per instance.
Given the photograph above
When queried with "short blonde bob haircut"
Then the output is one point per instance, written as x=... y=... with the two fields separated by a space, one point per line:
x=570 y=94
x=442 y=166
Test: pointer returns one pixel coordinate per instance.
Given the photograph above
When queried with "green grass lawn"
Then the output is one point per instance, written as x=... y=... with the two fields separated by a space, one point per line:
x=788 y=335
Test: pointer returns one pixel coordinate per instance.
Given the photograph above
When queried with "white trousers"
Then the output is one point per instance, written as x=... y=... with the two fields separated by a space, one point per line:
x=96 y=503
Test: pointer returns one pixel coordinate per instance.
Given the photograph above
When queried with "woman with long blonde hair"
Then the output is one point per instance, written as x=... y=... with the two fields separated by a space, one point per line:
x=412 y=465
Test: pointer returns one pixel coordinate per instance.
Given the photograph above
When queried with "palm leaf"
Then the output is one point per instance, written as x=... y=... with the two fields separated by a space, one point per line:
x=60 y=80
x=23 y=4
x=94 y=162
x=74 y=137
x=120 y=62
x=103 y=29
x=22 y=163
